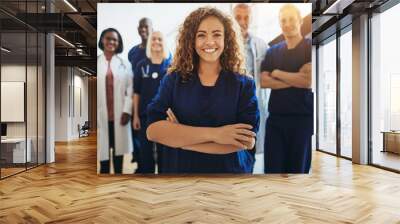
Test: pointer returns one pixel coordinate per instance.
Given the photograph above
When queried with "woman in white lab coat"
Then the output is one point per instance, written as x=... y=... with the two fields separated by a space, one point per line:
x=114 y=102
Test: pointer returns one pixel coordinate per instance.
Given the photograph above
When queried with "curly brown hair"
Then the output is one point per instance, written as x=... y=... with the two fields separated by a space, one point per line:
x=186 y=59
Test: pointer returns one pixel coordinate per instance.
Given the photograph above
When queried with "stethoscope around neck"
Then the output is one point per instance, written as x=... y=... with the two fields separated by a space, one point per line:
x=145 y=73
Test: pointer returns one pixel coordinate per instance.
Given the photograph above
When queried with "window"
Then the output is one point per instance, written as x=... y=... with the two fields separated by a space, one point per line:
x=385 y=89
x=346 y=94
x=327 y=97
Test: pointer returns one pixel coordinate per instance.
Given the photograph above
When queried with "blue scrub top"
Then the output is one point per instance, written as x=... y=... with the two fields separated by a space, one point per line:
x=147 y=80
x=135 y=55
x=231 y=100
x=289 y=101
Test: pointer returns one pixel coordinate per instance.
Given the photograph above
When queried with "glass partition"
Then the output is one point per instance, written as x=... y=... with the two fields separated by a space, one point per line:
x=22 y=88
x=385 y=90
x=327 y=96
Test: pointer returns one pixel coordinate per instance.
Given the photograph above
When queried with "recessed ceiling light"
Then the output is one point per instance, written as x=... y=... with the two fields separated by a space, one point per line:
x=5 y=50
x=337 y=7
x=86 y=72
x=64 y=40
x=70 y=5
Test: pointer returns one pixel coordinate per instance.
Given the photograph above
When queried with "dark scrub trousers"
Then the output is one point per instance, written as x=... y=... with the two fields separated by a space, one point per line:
x=135 y=55
x=231 y=100
x=289 y=127
x=117 y=160
x=146 y=83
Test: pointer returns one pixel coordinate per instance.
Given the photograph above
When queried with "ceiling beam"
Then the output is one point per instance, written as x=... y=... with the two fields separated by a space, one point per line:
x=81 y=61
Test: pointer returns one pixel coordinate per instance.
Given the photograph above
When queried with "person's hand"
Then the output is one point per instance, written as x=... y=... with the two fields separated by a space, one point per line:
x=239 y=135
x=249 y=145
x=275 y=73
x=125 y=119
x=171 y=116
x=136 y=123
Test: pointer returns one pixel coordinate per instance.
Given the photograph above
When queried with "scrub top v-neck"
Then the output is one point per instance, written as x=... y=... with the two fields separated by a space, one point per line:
x=147 y=78
x=231 y=100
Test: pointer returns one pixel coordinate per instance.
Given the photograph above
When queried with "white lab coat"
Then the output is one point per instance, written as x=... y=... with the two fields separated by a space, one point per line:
x=259 y=48
x=123 y=88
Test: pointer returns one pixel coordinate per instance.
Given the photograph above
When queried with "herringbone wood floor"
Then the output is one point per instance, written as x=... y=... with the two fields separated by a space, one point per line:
x=70 y=191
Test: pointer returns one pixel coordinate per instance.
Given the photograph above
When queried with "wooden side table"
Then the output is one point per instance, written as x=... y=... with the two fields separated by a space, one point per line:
x=391 y=141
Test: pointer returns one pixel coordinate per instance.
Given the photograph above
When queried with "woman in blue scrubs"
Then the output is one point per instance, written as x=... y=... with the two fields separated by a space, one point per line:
x=215 y=104
x=148 y=74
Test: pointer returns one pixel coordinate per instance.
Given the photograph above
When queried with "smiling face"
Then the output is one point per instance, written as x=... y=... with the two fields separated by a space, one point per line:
x=242 y=17
x=290 y=22
x=209 y=41
x=201 y=41
x=110 y=41
x=144 y=29
x=156 y=42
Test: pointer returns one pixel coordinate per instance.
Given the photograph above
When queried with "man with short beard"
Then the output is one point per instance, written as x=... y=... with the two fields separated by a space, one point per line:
x=286 y=70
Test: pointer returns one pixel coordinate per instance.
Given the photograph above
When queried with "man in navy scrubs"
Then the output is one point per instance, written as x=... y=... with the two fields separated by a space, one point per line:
x=135 y=55
x=138 y=52
x=286 y=70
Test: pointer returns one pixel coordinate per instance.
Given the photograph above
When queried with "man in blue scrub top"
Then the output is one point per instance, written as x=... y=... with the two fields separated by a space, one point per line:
x=135 y=55
x=287 y=71
x=138 y=52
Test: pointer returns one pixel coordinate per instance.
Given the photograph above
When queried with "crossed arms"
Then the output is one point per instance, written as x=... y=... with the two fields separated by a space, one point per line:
x=219 y=140
x=278 y=79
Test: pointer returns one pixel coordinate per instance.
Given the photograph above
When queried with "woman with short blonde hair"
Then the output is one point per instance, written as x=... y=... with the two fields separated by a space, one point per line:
x=148 y=74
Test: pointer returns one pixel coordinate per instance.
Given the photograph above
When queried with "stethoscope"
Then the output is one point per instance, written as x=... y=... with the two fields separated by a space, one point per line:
x=154 y=75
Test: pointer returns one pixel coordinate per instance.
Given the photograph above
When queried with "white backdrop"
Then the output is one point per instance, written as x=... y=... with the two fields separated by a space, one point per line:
x=12 y=101
x=125 y=18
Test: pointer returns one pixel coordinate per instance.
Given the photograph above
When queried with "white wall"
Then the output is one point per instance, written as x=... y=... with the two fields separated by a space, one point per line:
x=125 y=18
x=33 y=127
x=62 y=81
x=12 y=73
x=79 y=117
x=69 y=85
